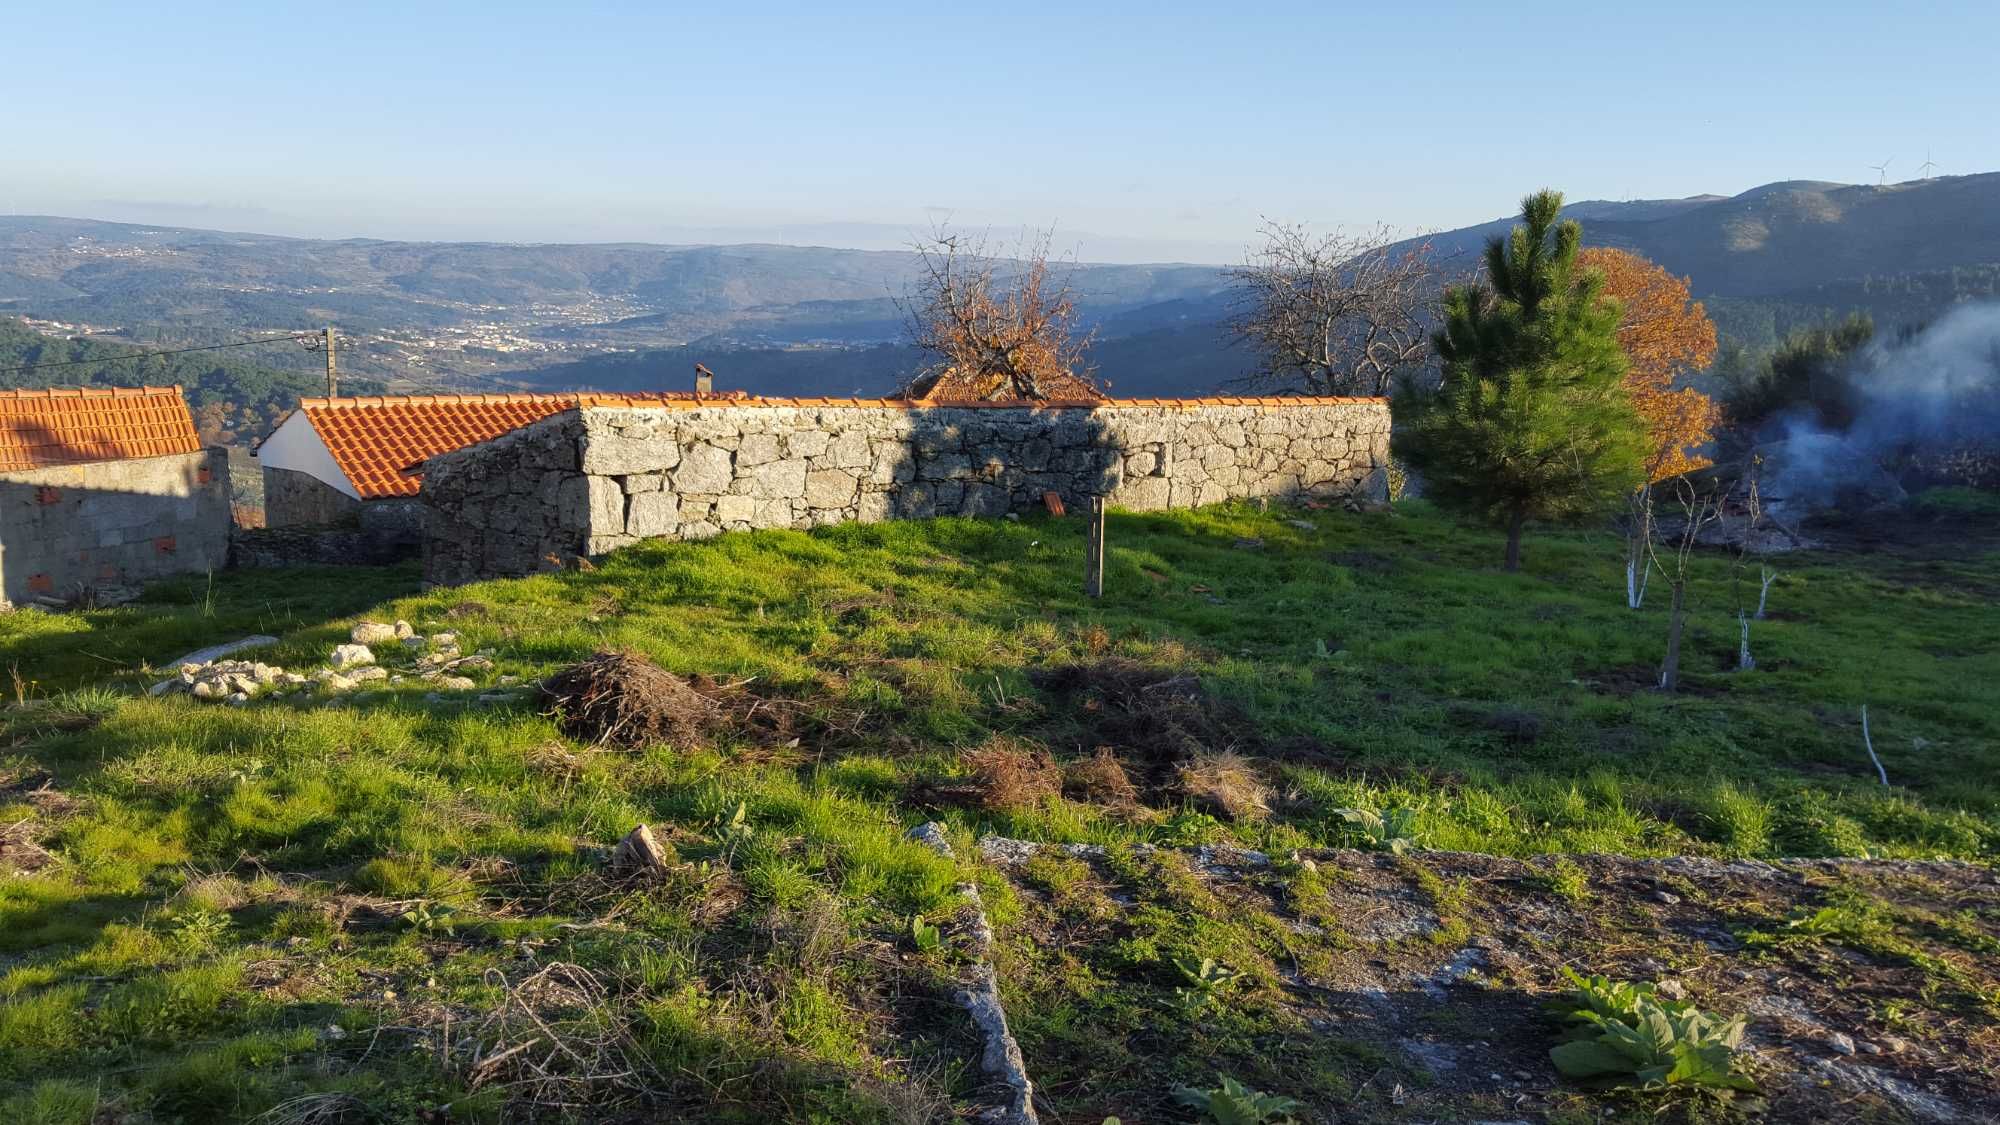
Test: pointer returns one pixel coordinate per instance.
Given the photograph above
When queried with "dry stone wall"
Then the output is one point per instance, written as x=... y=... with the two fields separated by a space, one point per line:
x=595 y=479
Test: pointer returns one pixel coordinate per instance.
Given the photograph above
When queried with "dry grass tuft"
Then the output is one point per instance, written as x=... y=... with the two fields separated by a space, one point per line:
x=1228 y=783
x=1100 y=779
x=1013 y=775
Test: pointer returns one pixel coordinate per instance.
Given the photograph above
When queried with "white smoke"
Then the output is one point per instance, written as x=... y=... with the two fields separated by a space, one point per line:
x=1934 y=393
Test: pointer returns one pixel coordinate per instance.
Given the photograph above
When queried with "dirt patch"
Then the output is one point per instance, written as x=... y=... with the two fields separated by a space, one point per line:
x=624 y=699
x=1415 y=984
x=1515 y=726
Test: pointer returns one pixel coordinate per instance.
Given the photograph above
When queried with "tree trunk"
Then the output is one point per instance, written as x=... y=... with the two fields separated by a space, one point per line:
x=1670 y=673
x=1637 y=535
x=1514 y=523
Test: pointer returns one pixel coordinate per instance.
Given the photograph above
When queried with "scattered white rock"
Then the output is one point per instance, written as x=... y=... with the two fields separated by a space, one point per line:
x=444 y=640
x=403 y=631
x=1841 y=1042
x=238 y=698
x=457 y=683
x=367 y=673
x=337 y=684
x=372 y=633
x=345 y=656
x=213 y=653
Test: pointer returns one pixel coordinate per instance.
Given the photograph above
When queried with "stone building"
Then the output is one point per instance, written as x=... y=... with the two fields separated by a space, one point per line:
x=347 y=460
x=103 y=489
x=612 y=470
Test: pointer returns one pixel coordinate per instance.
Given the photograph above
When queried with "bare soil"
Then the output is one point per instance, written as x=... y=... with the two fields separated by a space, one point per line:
x=1412 y=988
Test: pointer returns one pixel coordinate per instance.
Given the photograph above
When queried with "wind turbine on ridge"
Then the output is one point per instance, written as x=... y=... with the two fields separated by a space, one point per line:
x=1882 y=172
x=1927 y=165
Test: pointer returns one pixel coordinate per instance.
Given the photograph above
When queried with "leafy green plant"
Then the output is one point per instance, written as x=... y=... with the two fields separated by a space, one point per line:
x=1567 y=879
x=734 y=830
x=1187 y=828
x=1207 y=979
x=1233 y=1103
x=429 y=918
x=198 y=931
x=1627 y=1036
x=925 y=936
x=1393 y=830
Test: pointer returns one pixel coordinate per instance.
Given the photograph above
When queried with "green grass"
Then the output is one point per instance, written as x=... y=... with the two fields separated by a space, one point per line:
x=228 y=914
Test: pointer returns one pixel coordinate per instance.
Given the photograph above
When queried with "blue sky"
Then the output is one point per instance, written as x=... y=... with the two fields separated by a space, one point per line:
x=1140 y=131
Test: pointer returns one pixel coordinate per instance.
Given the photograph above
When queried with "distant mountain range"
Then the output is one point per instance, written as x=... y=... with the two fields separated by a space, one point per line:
x=798 y=318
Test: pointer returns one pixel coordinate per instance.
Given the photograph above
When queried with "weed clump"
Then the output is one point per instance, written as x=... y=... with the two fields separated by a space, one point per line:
x=624 y=699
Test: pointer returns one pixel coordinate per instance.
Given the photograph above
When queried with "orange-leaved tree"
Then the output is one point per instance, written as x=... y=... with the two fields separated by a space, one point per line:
x=1666 y=335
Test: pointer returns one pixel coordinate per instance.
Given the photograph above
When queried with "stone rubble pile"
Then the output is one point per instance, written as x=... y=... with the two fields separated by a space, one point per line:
x=435 y=659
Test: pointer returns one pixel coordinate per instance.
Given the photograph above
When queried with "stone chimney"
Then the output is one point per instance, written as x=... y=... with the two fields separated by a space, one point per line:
x=704 y=380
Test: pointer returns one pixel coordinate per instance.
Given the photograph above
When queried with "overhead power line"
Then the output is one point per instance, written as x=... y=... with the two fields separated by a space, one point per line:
x=171 y=351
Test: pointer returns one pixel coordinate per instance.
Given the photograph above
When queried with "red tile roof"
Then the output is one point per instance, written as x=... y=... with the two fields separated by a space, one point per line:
x=78 y=425
x=955 y=386
x=377 y=440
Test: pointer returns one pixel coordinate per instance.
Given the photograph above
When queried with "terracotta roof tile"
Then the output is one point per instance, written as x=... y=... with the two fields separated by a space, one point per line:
x=78 y=425
x=380 y=441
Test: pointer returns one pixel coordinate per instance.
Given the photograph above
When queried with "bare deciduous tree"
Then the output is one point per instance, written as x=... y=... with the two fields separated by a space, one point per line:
x=1698 y=509
x=995 y=327
x=1333 y=314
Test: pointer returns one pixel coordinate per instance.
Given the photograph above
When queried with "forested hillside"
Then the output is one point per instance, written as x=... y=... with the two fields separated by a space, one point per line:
x=234 y=398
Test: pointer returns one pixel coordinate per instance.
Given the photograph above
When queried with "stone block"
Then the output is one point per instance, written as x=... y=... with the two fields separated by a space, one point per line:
x=777 y=480
x=607 y=505
x=735 y=509
x=829 y=488
x=652 y=513
x=757 y=449
x=848 y=450
x=1145 y=494
x=704 y=468
x=807 y=443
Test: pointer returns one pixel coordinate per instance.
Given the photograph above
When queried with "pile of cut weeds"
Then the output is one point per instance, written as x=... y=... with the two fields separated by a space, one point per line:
x=1137 y=734
x=624 y=699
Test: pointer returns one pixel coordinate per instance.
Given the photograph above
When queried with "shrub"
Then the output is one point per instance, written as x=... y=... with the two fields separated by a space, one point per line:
x=1627 y=1036
x=1233 y=1103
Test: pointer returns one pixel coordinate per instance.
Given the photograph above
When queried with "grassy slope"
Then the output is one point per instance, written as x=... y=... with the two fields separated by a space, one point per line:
x=224 y=886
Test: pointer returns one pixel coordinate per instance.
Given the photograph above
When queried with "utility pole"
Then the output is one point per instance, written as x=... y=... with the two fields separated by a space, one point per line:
x=332 y=380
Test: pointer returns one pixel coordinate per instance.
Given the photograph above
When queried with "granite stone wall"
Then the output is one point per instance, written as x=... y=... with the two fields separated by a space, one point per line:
x=296 y=499
x=591 y=480
x=71 y=530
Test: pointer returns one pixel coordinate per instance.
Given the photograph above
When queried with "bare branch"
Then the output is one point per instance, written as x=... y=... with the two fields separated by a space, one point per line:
x=1333 y=314
x=994 y=337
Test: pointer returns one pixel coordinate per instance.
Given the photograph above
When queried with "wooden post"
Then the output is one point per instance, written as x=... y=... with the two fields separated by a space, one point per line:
x=332 y=380
x=1093 y=551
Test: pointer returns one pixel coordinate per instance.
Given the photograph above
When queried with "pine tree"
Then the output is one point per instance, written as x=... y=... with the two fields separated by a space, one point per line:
x=1532 y=419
